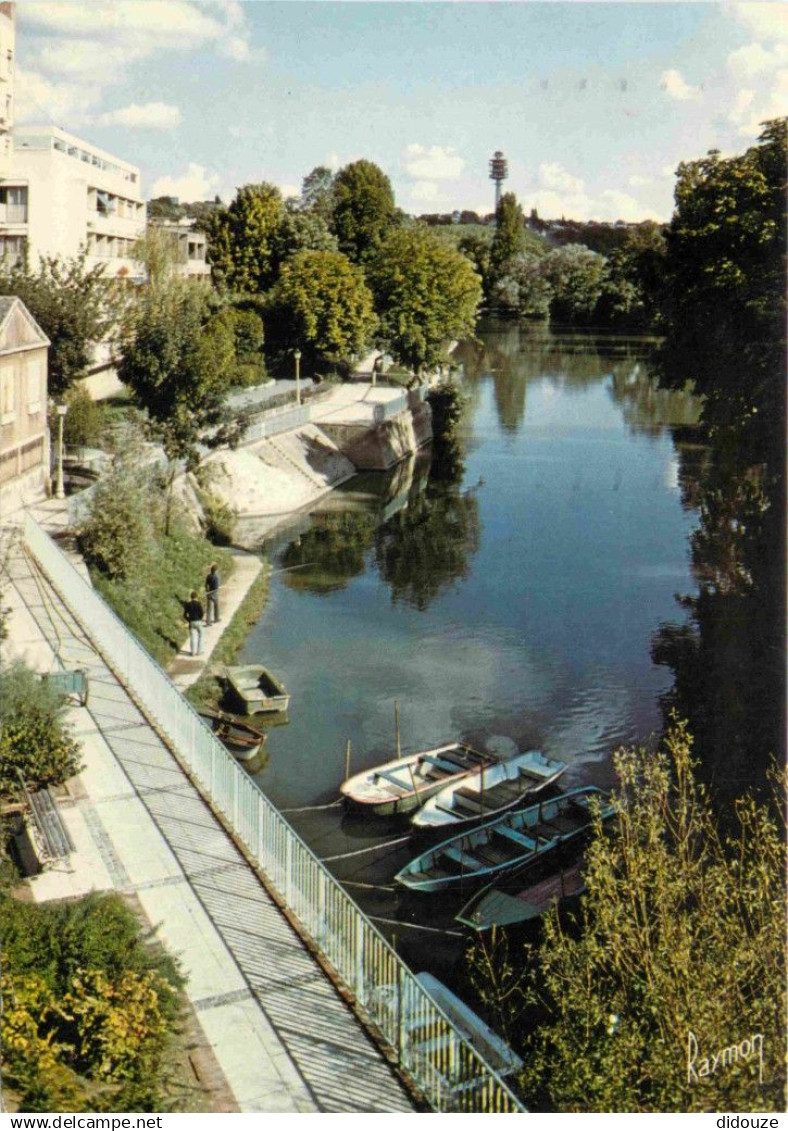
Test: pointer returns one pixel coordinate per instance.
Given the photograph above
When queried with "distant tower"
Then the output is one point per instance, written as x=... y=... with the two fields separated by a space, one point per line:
x=499 y=171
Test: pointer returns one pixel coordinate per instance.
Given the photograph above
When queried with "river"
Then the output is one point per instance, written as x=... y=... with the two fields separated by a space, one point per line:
x=514 y=609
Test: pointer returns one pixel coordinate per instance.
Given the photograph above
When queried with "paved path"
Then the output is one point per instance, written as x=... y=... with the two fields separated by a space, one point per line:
x=285 y=1040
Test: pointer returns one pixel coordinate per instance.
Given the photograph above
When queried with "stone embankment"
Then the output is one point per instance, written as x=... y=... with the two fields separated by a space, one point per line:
x=352 y=428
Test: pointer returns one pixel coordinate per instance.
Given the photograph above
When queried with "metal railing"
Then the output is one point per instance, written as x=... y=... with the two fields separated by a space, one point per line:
x=387 y=410
x=276 y=421
x=449 y=1072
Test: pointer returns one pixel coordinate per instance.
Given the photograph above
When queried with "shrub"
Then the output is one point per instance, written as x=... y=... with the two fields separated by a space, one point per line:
x=33 y=739
x=85 y=420
x=118 y=534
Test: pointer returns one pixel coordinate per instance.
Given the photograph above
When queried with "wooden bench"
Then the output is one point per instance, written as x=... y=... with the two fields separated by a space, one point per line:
x=459 y=857
x=518 y=838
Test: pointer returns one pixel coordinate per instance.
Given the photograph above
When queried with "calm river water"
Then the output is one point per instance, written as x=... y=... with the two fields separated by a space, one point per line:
x=514 y=609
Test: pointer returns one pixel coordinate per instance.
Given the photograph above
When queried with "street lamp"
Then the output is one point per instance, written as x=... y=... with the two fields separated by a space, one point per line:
x=297 y=356
x=61 y=409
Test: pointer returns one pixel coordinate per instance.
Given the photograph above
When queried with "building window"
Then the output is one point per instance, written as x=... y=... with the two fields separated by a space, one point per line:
x=7 y=397
x=33 y=383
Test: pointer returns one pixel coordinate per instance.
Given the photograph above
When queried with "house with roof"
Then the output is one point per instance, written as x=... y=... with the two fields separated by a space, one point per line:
x=24 y=435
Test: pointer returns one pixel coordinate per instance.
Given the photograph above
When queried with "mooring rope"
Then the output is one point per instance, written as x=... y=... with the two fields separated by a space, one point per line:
x=417 y=926
x=370 y=848
x=313 y=808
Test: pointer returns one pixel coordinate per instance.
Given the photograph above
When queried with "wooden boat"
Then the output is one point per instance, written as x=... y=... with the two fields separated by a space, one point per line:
x=517 y=837
x=256 y=689
x=490 y=791
x=402 y=785
x=242 y=739
x=482 y=1039
x=441 y=1038
x=528 y=892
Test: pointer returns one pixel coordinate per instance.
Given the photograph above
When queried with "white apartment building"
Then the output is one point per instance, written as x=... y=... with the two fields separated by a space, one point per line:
x=64 y=194
x=7 y=52
x=191 y=247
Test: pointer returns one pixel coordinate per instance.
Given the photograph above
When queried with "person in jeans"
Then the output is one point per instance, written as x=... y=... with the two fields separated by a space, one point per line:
x=212 y=595
x=193 y=614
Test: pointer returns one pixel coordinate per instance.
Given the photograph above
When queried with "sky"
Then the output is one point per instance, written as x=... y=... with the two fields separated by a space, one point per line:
x=593 y=104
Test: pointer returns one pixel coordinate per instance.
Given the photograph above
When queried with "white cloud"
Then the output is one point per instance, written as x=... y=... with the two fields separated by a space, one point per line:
x=433 y=162
x=675 y=87
x=290 y=190
x=636 y=181
x=75 y=50
x=195 y=184
x=615 y=205
x=757 y=73
x=426 y=192
x=553 y=176
x=151 y=116
x=763 y=20
x=751 y=108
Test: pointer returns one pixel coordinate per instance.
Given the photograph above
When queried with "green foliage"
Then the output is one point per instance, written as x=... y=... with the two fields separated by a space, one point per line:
x=242 y=239
x=302 y=231
x=73 y=305
x=117 y=537
x=725 y=298
x=364 y=209
x=89 y=1007
x=322 y=305
x=634 y=279
x=317 y=193
x=246 y=328
x=522 y=290
x=426 y=295
x=33 y=738
x=576 y=277
x=681 y=931
x=507 y=241
x=178 y=359
x=85 y=420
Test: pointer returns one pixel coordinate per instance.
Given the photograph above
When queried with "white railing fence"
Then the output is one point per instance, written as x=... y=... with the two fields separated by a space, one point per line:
x=449 y=1072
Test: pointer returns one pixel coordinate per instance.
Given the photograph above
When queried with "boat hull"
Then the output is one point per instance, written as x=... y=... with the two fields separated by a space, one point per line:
x=256 y=690
x=404 y=784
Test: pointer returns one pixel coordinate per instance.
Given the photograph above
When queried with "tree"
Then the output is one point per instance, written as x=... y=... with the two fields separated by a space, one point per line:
x=724 y=299
x=678 y=956
x=509 y=231
x=317 y=193
x=522 y=290
x=322 y=305
x=364 y=209
x=634 y=279
x=426 y=295
x=302 y=231
x=241 y=247
x=34 y=740
x=576 y=277
x=74 y=305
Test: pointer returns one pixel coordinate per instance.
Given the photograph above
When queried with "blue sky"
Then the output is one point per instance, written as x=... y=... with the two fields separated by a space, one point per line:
x=594 y=104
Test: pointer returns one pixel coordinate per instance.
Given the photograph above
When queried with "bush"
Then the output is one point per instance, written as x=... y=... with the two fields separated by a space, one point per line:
x=33 y=740
x=117 y=537
x=85 y=420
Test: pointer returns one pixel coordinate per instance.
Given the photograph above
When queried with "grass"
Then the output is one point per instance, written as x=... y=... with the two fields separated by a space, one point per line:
x=208 y=690
x=150 y=599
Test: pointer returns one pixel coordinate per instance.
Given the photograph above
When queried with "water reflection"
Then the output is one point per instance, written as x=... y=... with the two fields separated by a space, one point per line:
x=516 y=356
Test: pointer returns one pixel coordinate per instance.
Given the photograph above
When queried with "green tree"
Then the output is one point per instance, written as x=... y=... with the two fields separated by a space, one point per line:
x=317 y=193
x=74 y=305
x=508 y=238
x=725 y=299
x=241 y=248
x=576 y=276
x=302 y=231
x=522 y=290
x=85 y=420
x=34 y=740
x=322 y=305
x=681 y=931
x=364 y=209
x=426 y=294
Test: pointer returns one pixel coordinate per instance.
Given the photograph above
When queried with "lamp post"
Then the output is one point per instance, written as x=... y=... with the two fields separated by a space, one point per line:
x=62 y=409
x=297 y=356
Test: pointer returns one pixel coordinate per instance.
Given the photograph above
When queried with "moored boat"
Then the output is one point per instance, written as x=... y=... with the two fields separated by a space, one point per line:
x=488 y=792
x=519 y=836
x=402 y=785
x=242 y=739
x=528 y=892
x=256 y=689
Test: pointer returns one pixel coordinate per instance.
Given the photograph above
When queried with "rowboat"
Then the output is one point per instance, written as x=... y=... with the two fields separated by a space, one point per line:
x=242 y=739
x=438 y=1027
x=256 y=689
x=519 y=836
x=490 y=791
x=528 y=892
x=482 y=1039
x=406 y=783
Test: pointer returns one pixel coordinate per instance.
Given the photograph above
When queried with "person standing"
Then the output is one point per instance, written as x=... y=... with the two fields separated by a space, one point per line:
x=212 y=595
x=193 y=615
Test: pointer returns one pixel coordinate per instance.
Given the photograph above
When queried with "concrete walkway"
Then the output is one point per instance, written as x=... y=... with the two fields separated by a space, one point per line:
x=282 y=1036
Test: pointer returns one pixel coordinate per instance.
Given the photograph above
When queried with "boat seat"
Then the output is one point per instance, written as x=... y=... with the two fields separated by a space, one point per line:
x=518 y=838
x=459 y=857
x=389 y=777
x=442 y=764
